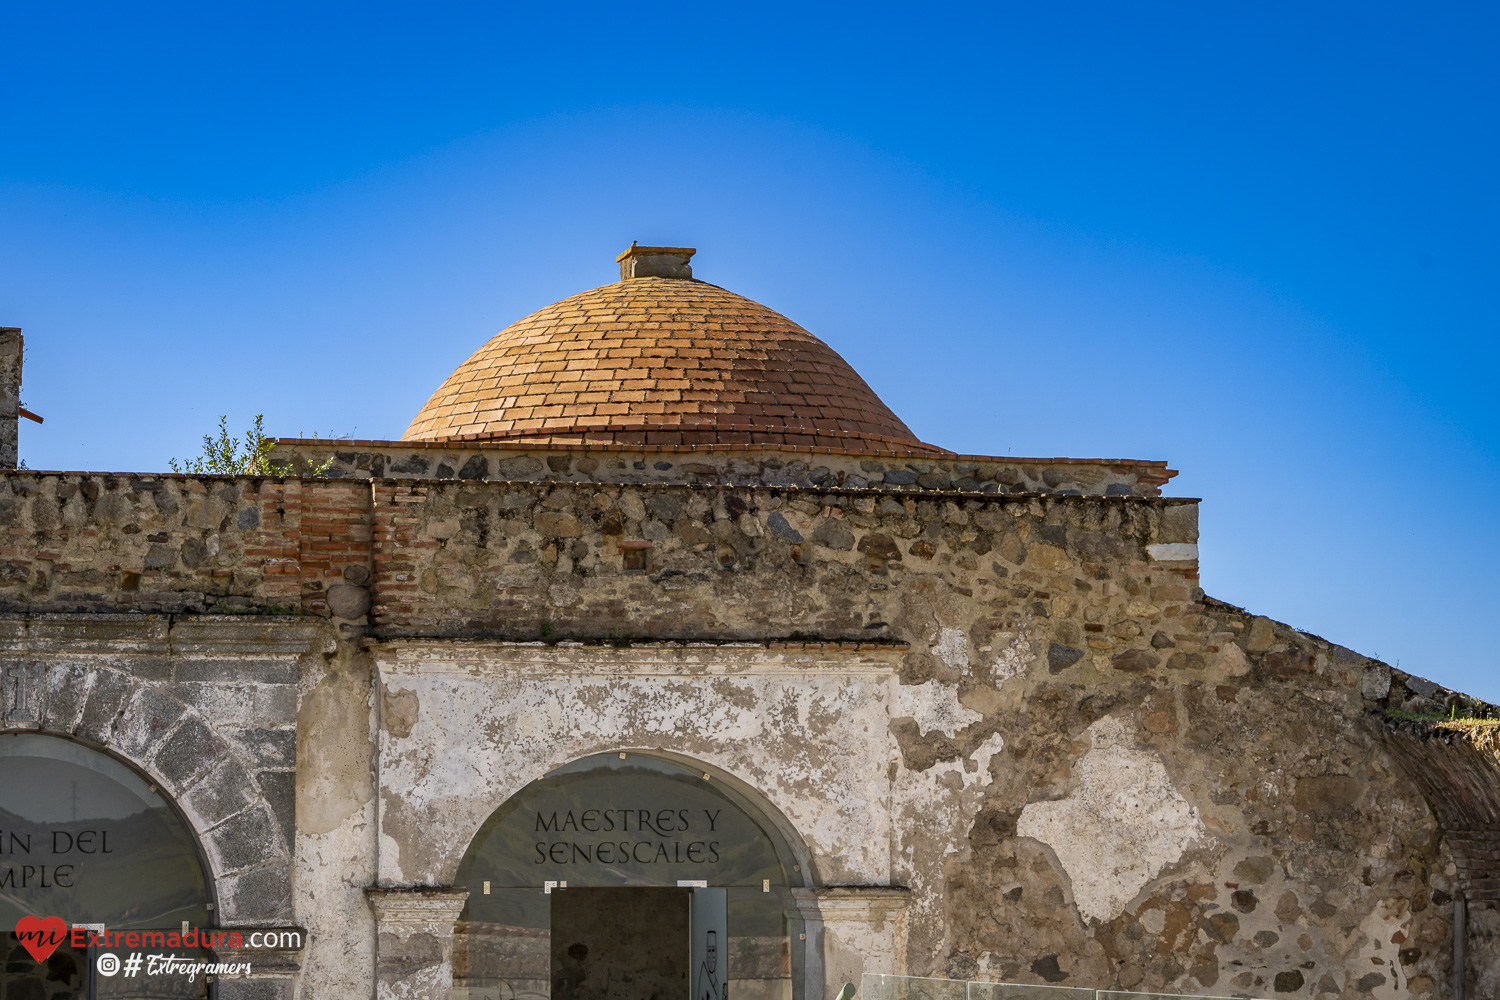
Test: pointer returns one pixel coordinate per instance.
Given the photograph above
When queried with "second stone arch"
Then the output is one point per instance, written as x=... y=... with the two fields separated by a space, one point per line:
x=632 y=873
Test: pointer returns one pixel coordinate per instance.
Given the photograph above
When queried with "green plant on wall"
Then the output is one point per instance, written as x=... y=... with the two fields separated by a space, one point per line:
x=229 y=456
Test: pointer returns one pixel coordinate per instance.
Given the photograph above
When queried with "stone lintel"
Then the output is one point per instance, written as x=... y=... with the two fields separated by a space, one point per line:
x=158 y=635
x=417 y=656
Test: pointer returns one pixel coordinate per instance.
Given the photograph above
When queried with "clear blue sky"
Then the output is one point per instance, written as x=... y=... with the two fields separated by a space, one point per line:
x=1258 y=242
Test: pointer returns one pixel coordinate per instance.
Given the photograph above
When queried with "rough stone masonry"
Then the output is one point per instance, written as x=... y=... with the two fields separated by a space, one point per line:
x=1079 y=769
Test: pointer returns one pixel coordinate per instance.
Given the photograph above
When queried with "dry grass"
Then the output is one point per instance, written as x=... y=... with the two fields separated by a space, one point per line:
x=1483 y=733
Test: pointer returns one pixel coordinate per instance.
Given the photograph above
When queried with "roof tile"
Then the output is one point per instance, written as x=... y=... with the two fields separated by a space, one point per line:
x=667 y=361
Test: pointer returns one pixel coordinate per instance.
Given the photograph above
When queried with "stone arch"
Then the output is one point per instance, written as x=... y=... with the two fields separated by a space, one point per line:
x=89 y=840
x=762 y=863
x=232 y=818
x=802 y=861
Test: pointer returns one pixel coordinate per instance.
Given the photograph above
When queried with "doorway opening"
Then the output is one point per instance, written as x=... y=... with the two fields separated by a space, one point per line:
x=620 y=943
x=628 y=876
x=87 y=844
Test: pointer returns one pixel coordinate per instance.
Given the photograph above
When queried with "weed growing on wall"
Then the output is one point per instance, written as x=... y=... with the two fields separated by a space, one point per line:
x=228 y=456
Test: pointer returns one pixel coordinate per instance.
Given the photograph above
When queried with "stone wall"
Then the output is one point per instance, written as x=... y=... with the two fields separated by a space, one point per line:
x=11 y=348
x=1090 y=773
x=705 y=464
x=178 y=544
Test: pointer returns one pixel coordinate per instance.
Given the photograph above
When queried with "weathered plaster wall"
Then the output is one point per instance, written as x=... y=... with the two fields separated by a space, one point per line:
x=464 y=728
x=336 y=827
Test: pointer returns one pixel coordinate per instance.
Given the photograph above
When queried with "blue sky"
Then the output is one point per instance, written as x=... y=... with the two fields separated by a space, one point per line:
x=1260 y=242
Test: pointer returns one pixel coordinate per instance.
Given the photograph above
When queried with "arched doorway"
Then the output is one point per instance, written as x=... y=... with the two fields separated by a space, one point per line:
x=629 y=876
x=86 y=842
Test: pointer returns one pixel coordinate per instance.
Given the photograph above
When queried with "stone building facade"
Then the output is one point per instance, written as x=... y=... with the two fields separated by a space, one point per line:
x=659 y=625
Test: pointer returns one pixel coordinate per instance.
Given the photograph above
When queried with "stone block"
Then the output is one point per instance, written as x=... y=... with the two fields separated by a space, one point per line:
x=833 y=533
x=934 y=481
x=1222 y=927
x=275 y=703
x=411 y=465
x=557 y=524
x=1182 y=660
x=1326 y=793
x=1256 y=870
x=21 y=695
x=245 y=840
x=1418 y=705
x=260 y=896
x=1422 y=686
x=1179 y=523
x=161 y=557
x=665 y=506
x=223 y=792
x=879 y=546
x=1051 y=534
x=992 y=518
x=1293 y=662
x=106 y=698
x=147 y=717
x=268 y=748
x=477 y=467
x=258 y=988
x=348 y=601
x=1173 y=552
x=228 y=704
x=519 y=467
x=1060 y=657
x=1262 y=635
x=279 y=789
x=1135 y=661
x=64 y=690
x=236 y=670
x=188 y=751
x=1376 y=684
x=778 y=525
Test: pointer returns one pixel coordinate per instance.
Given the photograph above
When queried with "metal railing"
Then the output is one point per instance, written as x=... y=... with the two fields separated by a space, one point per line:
x=876 y=987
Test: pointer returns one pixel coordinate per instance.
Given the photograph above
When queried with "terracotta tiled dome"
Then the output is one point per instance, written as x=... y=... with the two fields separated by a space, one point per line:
x=661 y=361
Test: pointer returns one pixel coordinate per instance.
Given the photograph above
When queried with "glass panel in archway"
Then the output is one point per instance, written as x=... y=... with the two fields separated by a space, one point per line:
x=642 y=826
x=84 y=840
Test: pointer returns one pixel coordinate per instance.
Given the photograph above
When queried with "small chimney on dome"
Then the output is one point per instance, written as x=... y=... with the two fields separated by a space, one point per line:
x=656 y=262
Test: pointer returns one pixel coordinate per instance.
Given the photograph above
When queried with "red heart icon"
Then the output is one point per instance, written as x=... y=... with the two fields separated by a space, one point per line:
x=41 y=935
